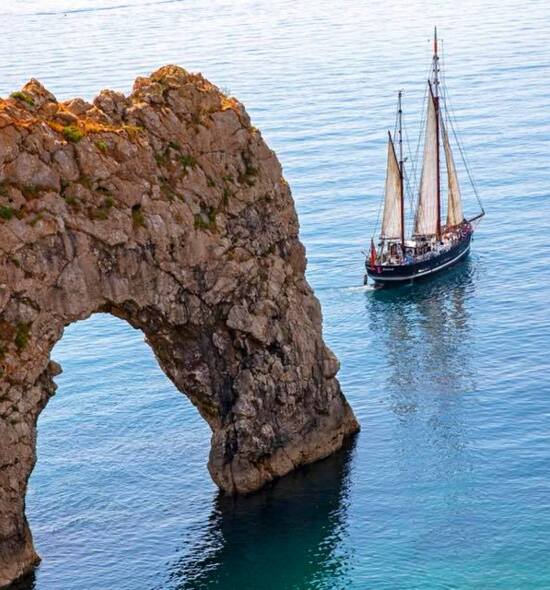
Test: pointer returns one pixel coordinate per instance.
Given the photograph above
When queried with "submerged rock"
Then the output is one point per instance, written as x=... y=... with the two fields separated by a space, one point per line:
x=167 y=209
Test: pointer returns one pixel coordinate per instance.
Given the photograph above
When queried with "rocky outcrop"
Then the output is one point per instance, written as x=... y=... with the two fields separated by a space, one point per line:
x=167 y=209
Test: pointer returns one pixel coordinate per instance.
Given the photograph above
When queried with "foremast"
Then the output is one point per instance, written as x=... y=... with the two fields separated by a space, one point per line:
x=401 y=171
x=393 y=220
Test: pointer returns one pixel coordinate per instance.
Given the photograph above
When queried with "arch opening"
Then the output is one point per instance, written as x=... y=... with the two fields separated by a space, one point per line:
x=120 y=461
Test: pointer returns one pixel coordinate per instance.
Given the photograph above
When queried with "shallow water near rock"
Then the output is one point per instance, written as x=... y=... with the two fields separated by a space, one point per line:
x=447 y=484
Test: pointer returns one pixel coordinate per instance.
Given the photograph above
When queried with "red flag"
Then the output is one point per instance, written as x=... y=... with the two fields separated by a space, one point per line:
x=372 y=261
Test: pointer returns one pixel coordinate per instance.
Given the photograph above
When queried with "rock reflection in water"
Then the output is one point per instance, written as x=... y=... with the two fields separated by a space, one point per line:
x=287 y=536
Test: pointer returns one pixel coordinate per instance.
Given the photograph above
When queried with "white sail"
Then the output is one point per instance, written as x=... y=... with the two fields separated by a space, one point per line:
x=455 y=215
x=427 y=213
x=391 y=221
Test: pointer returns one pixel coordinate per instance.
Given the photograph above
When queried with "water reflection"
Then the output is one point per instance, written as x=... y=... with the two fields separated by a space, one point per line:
x=426 y=333
x=287 y=536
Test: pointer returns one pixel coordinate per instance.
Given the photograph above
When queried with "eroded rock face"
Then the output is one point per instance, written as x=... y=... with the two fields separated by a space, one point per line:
x=165 y=208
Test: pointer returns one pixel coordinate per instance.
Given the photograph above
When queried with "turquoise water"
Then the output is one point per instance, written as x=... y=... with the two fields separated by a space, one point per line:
x=447 y=485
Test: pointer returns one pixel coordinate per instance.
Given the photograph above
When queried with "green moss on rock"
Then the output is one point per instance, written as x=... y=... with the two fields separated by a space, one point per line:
x=23 y=97
x=206 y=220
x=22 y=335
x=6 y=213
x=138 y=219
x=72 y=133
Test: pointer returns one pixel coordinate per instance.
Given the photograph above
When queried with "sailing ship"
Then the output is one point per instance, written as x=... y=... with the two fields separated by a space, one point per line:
x=432 y=246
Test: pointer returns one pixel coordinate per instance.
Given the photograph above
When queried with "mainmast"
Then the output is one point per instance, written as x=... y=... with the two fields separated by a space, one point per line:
x=435 y=83
x=401 y=188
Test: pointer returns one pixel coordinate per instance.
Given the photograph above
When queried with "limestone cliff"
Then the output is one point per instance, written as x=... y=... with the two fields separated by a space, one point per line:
x=167 y=209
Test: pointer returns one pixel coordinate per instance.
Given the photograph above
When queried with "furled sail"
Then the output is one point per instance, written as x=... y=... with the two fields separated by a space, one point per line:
x=427 y=213
x=391 y=221
x=455 y=215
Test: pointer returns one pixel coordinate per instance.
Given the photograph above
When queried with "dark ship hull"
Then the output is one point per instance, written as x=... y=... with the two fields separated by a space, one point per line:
x=400 y=273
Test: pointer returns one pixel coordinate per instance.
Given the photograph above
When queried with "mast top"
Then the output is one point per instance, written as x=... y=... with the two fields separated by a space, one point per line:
x=400 y=128
x=435 y=67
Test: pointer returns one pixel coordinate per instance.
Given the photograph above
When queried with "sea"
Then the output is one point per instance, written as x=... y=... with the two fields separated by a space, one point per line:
x=447 y=486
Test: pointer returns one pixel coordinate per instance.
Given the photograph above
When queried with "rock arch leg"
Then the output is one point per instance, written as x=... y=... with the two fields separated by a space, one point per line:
x=270 y=408
x=19 y=408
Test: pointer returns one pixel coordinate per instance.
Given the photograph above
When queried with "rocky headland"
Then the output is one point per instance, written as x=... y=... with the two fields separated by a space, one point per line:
x=167 y=209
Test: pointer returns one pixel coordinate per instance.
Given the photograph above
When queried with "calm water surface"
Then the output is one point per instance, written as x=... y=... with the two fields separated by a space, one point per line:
x=447 y=485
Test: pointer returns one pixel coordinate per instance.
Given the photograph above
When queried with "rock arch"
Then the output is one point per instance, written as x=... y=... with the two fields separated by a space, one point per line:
x=164 y=208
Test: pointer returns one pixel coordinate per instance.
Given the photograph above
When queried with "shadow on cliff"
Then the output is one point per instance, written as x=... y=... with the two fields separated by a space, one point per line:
x=286 y=536
x=28 y=582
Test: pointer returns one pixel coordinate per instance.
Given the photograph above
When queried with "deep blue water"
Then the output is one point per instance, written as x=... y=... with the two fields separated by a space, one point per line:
x=448 y=485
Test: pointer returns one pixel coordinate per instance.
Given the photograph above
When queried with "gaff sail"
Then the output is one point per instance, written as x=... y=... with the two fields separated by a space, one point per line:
x=455 y=214
x=392 y=218
x=427 y=214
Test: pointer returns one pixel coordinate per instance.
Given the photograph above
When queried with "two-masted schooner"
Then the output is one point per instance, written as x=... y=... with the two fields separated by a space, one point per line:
x=432 y=246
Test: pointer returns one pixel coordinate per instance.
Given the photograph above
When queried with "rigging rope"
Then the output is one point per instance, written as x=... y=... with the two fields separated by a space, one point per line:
x=452 y=120
x=375 y=228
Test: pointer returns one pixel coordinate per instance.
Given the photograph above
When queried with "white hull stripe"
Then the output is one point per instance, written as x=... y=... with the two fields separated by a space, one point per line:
x=420 y=274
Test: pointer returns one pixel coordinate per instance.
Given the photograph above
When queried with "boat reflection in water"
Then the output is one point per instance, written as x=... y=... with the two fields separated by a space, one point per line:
x=426 y=333
x=426 y=336
x=286 y=536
